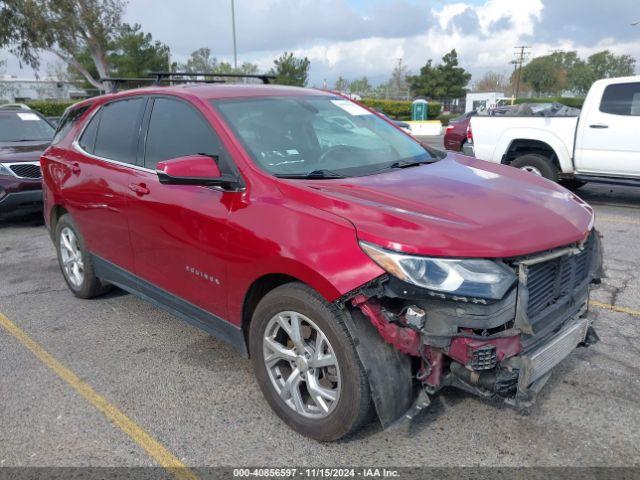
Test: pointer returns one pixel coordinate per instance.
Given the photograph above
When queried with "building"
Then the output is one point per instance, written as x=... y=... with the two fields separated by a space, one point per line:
x=19 y=90
x=482 y=101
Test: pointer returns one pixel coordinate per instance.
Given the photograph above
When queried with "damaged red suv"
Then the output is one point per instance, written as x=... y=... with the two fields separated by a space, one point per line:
x=350 y=263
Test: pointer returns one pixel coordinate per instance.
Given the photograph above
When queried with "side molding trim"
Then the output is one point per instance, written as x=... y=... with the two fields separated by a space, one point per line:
x=177 y=306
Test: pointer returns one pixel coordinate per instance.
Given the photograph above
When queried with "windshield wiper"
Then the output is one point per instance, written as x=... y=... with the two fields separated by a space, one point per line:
x=404 y=164
x=321 y=173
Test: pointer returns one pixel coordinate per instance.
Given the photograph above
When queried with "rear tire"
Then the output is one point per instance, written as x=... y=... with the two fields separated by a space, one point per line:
x=75 y=261
x=294 y=396
x=538 y=165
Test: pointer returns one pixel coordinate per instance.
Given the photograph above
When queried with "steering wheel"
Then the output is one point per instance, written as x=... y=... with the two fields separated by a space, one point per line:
x=332 y=150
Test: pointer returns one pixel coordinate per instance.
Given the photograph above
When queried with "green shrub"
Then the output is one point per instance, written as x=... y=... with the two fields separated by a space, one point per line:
x=49 y=108
x=445 y=117
x=399 y=109
x=568 y=101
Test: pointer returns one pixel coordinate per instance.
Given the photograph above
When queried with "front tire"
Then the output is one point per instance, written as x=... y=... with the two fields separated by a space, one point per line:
x=538 y=165
x=306 y=364
x=75 y=262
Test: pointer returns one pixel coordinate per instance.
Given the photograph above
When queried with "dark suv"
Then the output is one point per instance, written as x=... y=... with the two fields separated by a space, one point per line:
x=350 y=262
x=24 y=135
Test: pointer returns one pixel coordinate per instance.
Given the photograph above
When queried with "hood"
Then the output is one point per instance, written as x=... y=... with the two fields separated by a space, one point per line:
x=457 y=207
x=22 y=151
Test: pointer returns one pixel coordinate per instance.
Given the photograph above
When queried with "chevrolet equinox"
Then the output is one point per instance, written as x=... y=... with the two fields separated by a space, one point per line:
x=361 y=271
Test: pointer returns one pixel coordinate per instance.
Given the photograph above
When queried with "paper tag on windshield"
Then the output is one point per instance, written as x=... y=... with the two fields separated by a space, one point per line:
x=28 y=116
x=350 y=107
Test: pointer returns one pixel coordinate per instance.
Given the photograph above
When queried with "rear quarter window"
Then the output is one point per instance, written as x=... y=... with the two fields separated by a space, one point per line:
x=67 y=122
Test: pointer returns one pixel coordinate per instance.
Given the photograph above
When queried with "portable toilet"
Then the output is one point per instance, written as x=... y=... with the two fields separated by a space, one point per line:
x=419 y=109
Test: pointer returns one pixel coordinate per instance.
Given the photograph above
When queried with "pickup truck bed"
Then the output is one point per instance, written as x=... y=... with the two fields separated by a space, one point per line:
x=600 y=145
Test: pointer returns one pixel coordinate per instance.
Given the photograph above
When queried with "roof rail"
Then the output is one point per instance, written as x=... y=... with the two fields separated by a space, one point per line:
x=152 y=80
x=159 y=77
x=167 y=75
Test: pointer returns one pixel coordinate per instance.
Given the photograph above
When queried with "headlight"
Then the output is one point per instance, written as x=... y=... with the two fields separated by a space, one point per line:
x=4 y=170
x=465 y=277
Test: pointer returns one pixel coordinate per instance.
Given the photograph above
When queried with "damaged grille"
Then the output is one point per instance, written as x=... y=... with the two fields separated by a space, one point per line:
x=549 y=282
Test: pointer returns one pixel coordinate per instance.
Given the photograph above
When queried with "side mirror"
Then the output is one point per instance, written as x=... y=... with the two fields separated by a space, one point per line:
x=200 y=170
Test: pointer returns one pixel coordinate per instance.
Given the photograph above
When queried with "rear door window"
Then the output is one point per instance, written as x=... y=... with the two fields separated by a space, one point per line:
x=621 y=99
x=118 y=128
x=177 y=129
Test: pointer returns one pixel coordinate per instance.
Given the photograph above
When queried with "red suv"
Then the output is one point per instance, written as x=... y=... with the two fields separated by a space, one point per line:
x=350 y=262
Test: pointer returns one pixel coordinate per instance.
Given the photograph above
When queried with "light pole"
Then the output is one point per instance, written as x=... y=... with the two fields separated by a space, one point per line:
x=233 y=28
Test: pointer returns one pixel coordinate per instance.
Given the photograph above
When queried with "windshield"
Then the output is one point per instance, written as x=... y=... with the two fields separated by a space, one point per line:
x=24 y=126
x=318 y=136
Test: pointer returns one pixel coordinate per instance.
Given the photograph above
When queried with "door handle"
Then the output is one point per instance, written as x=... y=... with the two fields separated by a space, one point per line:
x=598 y=125
x=139 y=188
x=75 y=168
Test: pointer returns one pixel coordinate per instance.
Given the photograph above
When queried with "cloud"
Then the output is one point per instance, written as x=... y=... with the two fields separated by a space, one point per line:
x=587 y=22
x=353 y=38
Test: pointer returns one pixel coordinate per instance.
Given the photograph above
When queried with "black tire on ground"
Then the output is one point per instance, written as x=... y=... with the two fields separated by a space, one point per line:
x=91 y=286
x=354 y=404
x=572 y=184
x=538 y=163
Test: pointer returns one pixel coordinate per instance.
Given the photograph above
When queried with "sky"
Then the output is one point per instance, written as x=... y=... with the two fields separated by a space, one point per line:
x=353 y=38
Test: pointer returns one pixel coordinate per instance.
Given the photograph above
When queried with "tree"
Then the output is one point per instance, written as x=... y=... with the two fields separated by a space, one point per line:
x=605 y=64
x=446 y=80
x=200 y=61
x=361 y=85
x=290 y=70
x=132 y=53
x=135 y=53
x=544 y=75
x=492 y=82
x=562 y=70
x=398 y=81
x=65 y=28
x=342 y=84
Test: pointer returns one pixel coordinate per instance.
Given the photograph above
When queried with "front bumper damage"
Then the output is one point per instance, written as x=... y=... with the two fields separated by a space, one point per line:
x=504 y=349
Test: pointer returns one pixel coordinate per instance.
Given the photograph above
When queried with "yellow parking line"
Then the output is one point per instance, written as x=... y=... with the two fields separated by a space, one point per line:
x=615 y=308
x=154 y=448
x=609 y=218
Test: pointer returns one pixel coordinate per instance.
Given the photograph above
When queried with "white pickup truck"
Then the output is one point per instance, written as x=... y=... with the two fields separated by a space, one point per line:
x=602 y=144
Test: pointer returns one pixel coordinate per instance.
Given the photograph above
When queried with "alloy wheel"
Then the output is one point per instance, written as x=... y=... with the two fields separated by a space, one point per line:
x=71 y=255
x=301 y=364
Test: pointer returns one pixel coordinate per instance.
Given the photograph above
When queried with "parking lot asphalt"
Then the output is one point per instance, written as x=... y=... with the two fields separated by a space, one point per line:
x=196 y=398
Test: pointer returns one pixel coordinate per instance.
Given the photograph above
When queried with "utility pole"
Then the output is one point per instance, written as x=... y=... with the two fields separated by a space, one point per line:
x=521 y=53
x=233 y=28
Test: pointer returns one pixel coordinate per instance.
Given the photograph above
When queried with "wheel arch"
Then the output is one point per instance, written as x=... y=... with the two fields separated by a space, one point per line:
x=256 y=292
x=57 y=211
x=517 y=143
